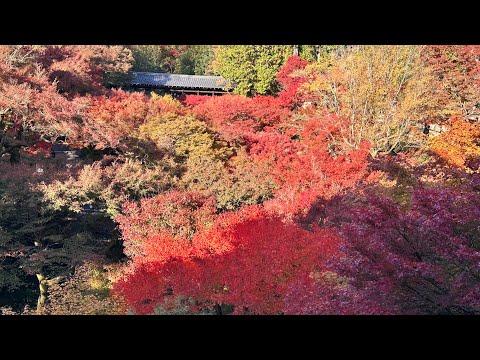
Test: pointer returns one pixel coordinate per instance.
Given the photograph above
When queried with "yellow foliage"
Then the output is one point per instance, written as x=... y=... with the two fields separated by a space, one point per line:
x=87 y=292
x=382 y=90
x=167 y=99
x=189 y=136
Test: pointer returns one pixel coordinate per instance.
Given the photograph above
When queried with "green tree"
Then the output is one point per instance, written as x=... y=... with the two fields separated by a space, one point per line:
x=252 y=68
x=157 y=58
x=307 y=52
x=195 y=60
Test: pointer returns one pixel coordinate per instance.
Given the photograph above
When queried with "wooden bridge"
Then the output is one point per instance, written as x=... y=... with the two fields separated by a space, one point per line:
x=180 y=84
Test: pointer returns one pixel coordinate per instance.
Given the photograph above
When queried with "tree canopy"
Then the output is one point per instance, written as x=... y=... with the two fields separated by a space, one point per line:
x=311 y=190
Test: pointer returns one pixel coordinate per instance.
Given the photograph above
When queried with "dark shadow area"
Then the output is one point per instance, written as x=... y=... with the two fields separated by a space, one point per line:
x=36 y=240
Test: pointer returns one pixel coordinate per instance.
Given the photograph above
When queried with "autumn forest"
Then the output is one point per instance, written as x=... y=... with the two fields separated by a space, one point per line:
x=326 y=180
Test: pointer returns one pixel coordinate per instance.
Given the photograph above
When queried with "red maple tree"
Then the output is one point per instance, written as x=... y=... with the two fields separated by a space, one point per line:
x=246 y=259
x=290 y=81
x=307 y=164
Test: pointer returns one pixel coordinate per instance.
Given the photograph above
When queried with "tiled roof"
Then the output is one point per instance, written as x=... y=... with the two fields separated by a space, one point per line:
x=178 y=80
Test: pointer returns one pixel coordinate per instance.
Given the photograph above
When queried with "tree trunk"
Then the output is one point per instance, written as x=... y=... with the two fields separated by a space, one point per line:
x=317 y=51
x=295 y=49
x=42 y=282
x=218 y=309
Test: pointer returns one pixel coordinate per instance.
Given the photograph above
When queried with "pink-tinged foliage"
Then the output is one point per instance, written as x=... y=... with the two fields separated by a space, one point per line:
x=457 y=68
x=420 y=261
x=12 y=175
x=35 y=107
x=112 y=119
x=83 y=69
x=73 y=70
x=28 y=97
x=325 y=295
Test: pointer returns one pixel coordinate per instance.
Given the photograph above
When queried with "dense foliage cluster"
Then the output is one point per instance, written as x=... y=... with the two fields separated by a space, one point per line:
x=460 y=144
x=310 y=190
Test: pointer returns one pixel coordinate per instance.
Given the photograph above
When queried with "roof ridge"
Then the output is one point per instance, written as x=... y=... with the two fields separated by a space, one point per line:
x=171 y=74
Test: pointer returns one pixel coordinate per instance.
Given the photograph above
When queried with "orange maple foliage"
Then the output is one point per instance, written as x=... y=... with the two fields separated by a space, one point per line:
x=459 y=144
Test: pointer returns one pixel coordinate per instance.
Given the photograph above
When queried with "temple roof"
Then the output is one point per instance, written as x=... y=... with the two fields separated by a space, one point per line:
x=179 y=81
